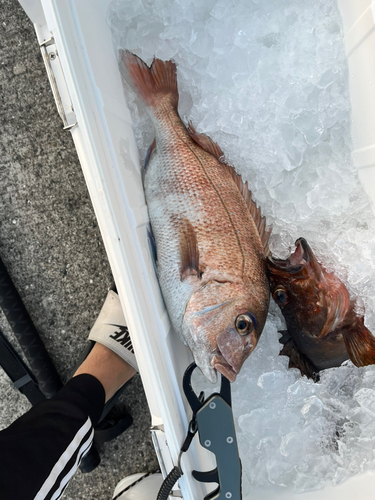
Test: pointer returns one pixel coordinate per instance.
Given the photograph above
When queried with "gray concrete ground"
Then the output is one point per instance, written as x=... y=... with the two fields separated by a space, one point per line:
x=51 y=245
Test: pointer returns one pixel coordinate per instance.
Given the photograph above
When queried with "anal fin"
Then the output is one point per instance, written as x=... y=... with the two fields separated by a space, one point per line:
x=296 y=359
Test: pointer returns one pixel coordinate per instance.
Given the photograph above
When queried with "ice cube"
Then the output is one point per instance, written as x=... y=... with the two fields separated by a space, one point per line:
x=366 y=399
x=360 y=416
x=340 y=476
x=249 y=422
x=274 y=381
x=327 y=79
x=291 y=446
x=240 y=79
x=301 y=390
x=305 y=482
x=369 y=376
x=236 y=118
x=313 y=407
x=280 y=473
x=127 y=12
x=307 y=123
x=270 y=39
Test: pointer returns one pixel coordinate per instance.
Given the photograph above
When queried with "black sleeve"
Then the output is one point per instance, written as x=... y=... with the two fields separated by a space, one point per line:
x=41 y=451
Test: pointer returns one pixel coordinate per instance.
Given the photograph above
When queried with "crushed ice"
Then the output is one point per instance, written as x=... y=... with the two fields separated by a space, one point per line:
x=267 y=80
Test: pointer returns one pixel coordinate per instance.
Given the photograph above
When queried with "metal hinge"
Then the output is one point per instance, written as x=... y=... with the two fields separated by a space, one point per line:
x=58 y=83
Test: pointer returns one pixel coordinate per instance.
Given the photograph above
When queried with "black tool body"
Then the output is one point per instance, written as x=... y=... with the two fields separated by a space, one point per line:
x=215 y=425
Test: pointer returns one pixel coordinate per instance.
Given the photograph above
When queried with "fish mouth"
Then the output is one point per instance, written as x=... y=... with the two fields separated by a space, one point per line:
x=301 y=262
x=219 y=363
x=297 y=260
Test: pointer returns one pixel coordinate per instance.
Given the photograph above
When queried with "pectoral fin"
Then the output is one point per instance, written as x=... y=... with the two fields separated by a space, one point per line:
x=338 y=304
x=360 y=343
x=189 y=251
x=296 y=359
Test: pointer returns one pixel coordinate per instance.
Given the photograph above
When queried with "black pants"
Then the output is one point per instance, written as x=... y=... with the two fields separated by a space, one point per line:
x=41 y=451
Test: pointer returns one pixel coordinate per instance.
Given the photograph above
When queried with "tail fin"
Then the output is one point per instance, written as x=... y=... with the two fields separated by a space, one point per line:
x=360 y=343
x=154 y=82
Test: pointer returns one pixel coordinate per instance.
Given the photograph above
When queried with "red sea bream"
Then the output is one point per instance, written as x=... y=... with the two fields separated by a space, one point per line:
x=211 y=240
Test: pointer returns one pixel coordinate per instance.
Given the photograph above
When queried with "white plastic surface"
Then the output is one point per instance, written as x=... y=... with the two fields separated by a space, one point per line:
x=359 y=28
x=109 y=159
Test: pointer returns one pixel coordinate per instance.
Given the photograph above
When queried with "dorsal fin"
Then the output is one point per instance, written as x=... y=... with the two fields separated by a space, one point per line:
x=214 y=149
x=205 y=142
x=255 y=212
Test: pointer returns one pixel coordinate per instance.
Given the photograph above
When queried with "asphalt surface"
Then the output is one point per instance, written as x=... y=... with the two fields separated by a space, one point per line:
x=51 y=245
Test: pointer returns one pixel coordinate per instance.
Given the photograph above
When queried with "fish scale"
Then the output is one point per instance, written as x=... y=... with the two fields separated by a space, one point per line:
x=195 y=185
x=211 y=263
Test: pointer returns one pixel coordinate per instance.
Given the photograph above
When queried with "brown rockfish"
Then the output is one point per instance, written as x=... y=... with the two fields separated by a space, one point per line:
x=210 y=238
x=323 y=328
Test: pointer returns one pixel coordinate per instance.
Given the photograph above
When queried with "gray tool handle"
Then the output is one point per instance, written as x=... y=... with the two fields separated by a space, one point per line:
x=217 y=434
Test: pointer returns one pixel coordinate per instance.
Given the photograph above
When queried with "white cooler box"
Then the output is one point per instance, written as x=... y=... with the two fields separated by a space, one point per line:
x=77 y=48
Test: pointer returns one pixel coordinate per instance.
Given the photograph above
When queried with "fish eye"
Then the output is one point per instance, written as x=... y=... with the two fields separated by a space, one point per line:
x=280 y=296
x=244 y=324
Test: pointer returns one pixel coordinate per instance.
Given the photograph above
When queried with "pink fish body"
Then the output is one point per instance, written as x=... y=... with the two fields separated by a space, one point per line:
x=210 y=237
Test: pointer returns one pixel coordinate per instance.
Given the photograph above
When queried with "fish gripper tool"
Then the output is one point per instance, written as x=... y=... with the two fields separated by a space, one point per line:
x=215 y=426
x=213 y=420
